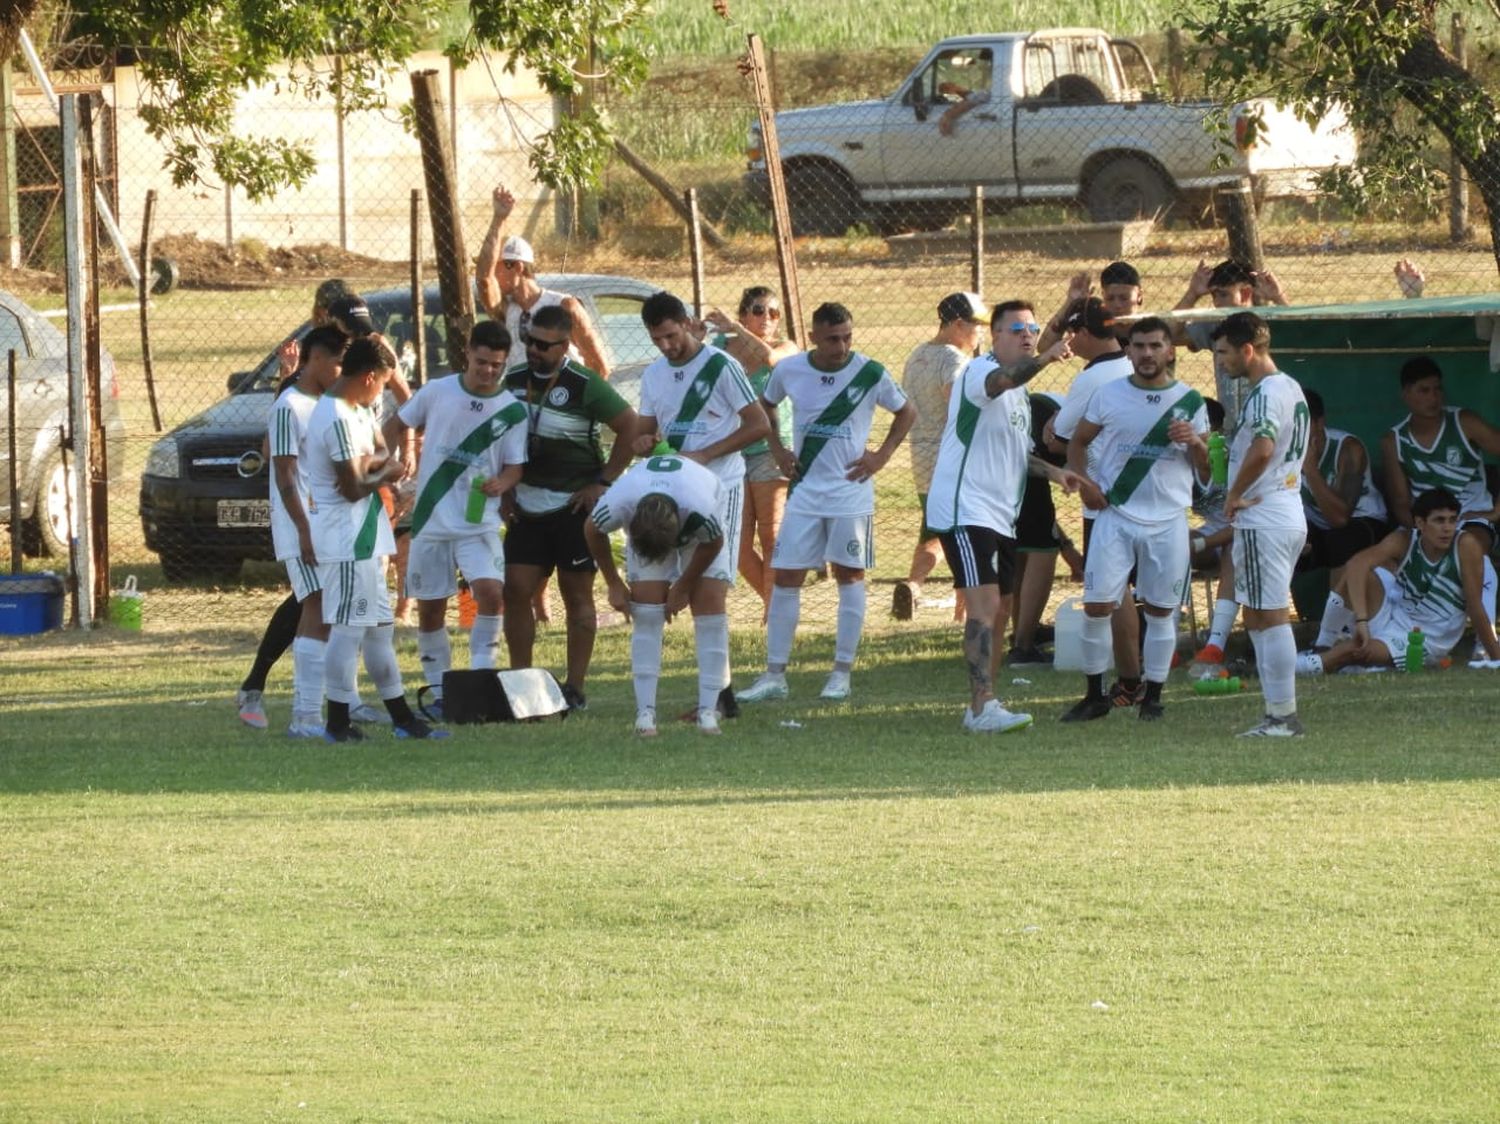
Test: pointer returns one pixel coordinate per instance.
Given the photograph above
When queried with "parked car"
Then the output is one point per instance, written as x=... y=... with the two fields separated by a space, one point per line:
x=205 y=500
x=41 y=419
x=1066 y=115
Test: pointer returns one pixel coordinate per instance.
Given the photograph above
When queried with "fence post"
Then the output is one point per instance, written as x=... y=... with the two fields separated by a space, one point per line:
x=781 y=220
x=976 y=239
x=418 y=291
x=341 y=152
x=10 y=440
x=695 y=249
x=1238 y=203
x=10 y=174
x=96 y=465
x=75 y=269
x=447 y=230
x=1459 y=227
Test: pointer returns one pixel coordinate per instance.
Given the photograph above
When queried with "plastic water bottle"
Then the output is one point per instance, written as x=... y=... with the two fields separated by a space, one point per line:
x=1229 y=685
x=662 y=449
x=474 y=510
x=1218 y=459
x=1416 y=650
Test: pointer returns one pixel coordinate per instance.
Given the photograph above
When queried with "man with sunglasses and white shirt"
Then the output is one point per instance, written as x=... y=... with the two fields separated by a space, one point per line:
x=564 y=477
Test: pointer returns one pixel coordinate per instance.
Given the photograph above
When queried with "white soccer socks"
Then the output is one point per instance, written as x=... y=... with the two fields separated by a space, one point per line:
x=341 y=663
x=851 y=624
x=380 y=661
x=307 y=681
x=1222 y=623
x=645 y=651
x=484 y=641
x=1098 y=645
x=1161 y=641
x=436 y=656
x=1276 y=660
x=781 y=625
x=711 y=634
x=1337 y=623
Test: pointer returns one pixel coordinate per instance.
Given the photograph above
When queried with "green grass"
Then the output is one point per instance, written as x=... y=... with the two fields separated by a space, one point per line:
x=870 y=917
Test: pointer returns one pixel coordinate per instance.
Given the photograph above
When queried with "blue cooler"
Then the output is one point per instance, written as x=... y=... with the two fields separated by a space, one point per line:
x=30 y=603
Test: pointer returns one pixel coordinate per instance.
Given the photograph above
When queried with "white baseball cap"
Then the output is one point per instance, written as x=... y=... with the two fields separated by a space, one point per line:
x=517 y=248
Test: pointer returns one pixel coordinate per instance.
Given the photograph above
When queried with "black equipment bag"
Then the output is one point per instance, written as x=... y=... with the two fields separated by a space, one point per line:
x=499 y=696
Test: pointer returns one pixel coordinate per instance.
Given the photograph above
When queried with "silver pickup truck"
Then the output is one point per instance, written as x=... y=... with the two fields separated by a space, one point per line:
x=1066 y=115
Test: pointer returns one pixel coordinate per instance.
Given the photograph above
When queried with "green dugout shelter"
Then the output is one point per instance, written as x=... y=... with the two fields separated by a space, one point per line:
x=1351 y=354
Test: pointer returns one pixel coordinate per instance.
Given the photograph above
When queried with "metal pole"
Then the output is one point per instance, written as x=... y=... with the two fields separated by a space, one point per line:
x=976 y=239
x=418 y=293
x=695 y=248
x=143 y=290
x=75 y=270
x=15 y=487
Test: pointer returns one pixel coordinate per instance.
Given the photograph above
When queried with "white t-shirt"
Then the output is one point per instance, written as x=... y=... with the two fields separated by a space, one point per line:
x=466 y=437
x=343 y=531
x=518 y=320
x=288 y=431
x=832 y=412
x=982 y=462
x=1098 y=372
x=1274 y=408
x=1148 y=478
x=694 y=489
x=926 y=378
x=699 y=403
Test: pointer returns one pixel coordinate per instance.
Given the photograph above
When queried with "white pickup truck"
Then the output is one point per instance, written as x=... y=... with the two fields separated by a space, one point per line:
x=1065 y=115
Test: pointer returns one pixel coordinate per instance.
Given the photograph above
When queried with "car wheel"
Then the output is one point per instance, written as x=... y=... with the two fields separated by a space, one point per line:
x=48 y=530
x=182 y=567
x=820 y=200
x=1126 y=189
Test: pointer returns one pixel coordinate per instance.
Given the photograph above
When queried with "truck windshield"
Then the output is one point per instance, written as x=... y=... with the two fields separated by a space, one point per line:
x=953 y=76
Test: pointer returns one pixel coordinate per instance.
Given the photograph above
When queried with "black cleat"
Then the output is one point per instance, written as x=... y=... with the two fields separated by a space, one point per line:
x=1087 y=709
x=1151 y=711
x=1121 y=695
x=729 y=706
x=347 y=734
x=574 y=697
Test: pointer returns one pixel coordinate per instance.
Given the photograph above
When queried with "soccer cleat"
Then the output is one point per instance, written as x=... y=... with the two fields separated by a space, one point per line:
x=1273 y=727
x=1087 y=709
x=252 y=709
x=729 y=706
x=1151 y=711
x=364 y=712
x=574 y=697
x=771 y=685
x=1121 y=695
x=994 y=719
x=903 y=601
x=420 y=730
x=347 y=734
x=433 y=711
x=1027 y=657
x=1209 y=653
x=305 y=730
x=837 y=687
x=1309 y=663
x=645 y=722
x=708 y=722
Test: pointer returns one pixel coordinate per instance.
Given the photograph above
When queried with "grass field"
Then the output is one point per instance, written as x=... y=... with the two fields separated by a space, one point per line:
x=868 y=916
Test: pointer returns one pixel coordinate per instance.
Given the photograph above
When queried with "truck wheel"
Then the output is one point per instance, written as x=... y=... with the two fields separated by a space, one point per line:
x=47 y=531
x=1125 y=189
x=820 y=200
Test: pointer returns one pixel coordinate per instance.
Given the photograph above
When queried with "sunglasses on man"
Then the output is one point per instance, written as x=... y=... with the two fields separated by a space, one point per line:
x=1022 y=327
x=529 y=340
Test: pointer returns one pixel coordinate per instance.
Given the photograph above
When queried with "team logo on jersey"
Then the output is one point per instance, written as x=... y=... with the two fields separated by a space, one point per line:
x=701 y=388
x=362 y=606
x=853 y=393
x=1454 y=454
x=557 y=396
x=852 y=547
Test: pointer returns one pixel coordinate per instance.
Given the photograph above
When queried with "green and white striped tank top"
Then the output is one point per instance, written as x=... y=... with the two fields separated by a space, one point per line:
x=1449 y=462
x=1369 y=504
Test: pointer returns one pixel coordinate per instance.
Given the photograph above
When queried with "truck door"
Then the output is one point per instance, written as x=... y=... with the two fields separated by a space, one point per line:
x=913 y=152
x=1066 y=80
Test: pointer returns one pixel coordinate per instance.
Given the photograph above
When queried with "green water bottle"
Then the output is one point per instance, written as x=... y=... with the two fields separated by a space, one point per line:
x=1416 y=650
x=662 y=449
x=1218 y=459
x=474 y=509
x=1229 y=685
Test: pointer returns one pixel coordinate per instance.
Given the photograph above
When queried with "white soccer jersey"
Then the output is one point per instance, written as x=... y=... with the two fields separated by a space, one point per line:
x=699 y=403
x=288 y=433
x=466 y=437
x=1145 y=475
x=1099 y=371
x=982 y=462
x=832 y=412
x=343 y=531
x=694 y=489
x=1274 y=408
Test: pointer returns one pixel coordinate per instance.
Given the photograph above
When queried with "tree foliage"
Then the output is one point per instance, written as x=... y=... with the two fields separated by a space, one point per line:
x=195 y=57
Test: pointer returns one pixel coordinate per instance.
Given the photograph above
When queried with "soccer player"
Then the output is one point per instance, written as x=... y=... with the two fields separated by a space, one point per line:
x=1345 y=511
x=1150 y=429
x=830 y=513
x=473 y=441
x=670 y=508
x=347 y=464
x=1433 y=578
x=977 y=484
x=1264 y=504
x=698 y=400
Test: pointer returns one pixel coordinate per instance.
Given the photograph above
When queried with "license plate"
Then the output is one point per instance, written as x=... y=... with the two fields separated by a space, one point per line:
x=244 y=513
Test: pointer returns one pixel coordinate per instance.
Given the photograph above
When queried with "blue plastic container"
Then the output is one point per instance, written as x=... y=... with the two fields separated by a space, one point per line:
x=30 y=603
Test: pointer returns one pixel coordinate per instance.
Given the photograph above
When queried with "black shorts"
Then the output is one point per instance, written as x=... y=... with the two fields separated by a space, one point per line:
x=1334 y=547
x=979 y=556
x=1037 y=517
x=550 y=542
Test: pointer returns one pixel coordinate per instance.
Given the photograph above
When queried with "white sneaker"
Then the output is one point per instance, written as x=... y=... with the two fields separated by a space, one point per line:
x=1287 y=727
x=994 y=719
x=771 y=685
x=305 y=730
x=708 y=721
x=645 y=722
x=252 y=709
x=364 y=712
x=837 y=687
x=1309 y=663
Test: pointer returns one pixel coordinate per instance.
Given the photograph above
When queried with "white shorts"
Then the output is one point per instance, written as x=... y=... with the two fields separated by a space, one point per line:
x=432 y=564
x=1393 y=621
x=725 y=564
x=1158 y=552
x=1264 y=559
x=354 y=593
x=304 y=578
x=805 y=542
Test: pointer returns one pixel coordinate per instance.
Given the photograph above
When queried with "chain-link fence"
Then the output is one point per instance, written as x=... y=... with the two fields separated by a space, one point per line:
x=1080 y=164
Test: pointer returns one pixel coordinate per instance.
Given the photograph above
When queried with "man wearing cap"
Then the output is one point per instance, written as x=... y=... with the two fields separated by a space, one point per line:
x=1230 y=284
x=928 y=382
x=509 y=292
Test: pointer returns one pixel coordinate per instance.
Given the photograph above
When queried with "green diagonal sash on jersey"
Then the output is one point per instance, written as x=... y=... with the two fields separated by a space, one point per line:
x=1138 y=466
x=835 y=414
x=364 y=541
x=697 y=397
x=446 y=475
